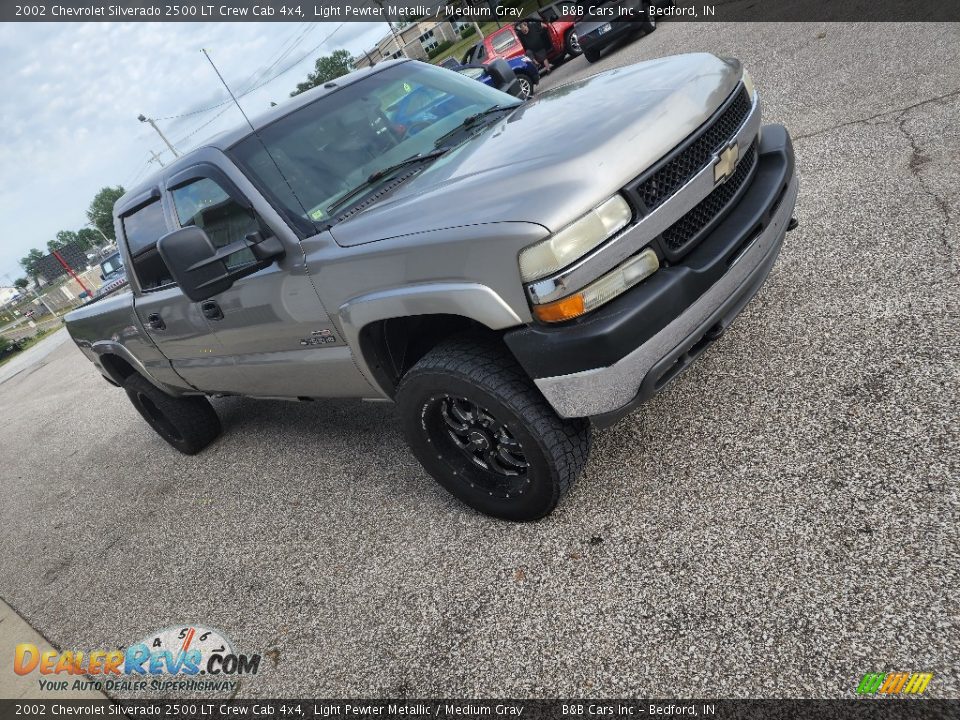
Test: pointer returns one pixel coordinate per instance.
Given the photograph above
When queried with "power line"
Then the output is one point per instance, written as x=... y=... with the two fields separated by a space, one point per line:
x=201 y=127
x=261 y=84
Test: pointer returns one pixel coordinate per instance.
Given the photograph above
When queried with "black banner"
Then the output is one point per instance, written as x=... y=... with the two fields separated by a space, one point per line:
x=445 y=709
x=479 y=10
x=50 y=268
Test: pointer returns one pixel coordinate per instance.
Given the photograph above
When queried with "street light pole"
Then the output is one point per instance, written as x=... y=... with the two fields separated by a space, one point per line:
x=106 y=240
x=144 y=119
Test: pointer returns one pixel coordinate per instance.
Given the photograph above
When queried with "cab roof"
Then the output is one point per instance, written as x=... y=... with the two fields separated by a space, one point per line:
x=229 y=138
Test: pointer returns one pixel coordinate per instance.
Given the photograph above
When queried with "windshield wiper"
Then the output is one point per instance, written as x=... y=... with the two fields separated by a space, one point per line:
x=378 y=175
x=383 y=172
x=470 y=120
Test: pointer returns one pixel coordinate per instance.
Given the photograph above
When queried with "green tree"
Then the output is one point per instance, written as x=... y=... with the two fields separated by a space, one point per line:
x=64 y=237
x=88 y=238
x=29 y=260
x=21 y=283
x=101 y=209
x=327 y=68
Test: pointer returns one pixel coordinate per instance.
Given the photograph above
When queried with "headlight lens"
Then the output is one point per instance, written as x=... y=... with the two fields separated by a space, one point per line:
x=614 y=283
x=575 y=240
x=748 y=83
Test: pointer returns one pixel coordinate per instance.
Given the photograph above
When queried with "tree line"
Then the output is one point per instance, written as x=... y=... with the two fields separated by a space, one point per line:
x=97 y=232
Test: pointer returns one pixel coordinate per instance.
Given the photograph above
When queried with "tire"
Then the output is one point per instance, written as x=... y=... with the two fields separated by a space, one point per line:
x=572 y=44
x=481 y=428
x=526 y=86
x=189 y=423
x=591 y=55
x=649 y=23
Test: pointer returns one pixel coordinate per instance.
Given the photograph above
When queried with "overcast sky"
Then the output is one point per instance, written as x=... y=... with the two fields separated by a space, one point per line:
x=72 y=93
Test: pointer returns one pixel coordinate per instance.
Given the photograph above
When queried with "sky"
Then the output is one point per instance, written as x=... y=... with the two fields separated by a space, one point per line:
x=72 y=93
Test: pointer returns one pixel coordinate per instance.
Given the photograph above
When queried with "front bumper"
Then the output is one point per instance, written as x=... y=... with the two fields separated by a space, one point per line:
x=606 y=363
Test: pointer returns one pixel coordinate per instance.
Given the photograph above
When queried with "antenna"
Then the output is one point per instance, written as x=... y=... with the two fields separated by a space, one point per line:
x=257 y=134
x=232 y=96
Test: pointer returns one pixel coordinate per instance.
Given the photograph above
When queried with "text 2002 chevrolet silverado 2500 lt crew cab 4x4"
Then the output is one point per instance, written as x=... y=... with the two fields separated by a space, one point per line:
x=508 y=272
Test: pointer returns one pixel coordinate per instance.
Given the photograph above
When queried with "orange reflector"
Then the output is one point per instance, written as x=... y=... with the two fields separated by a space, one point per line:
x=559 y=310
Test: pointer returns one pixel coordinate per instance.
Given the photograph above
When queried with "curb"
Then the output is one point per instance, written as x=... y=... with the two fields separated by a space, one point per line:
x=13 y=631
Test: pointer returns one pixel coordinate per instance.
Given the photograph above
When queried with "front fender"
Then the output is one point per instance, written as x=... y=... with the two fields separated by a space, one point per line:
x=470 y=300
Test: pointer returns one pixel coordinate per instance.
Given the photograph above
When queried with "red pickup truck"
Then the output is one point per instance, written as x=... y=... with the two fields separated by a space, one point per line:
x=505 y=44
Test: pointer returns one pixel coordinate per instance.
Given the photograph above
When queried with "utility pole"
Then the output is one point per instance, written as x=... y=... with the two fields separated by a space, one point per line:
x=393 y=30
x=144 y=119
x=106 y=240
x=156 y=158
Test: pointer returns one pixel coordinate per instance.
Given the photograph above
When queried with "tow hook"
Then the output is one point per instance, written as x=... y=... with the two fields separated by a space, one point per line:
x=792 y=225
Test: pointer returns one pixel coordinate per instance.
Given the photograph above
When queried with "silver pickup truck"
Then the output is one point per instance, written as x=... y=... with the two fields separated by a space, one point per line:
x=508 y=273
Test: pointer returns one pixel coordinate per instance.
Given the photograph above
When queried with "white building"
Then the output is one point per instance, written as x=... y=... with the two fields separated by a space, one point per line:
x=7 y=294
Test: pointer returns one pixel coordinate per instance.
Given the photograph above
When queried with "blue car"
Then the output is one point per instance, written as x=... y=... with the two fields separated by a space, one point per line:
x=527 y=72
x=424 y=106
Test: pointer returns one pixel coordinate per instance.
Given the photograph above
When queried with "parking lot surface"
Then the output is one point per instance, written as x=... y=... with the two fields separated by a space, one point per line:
x=780 y=521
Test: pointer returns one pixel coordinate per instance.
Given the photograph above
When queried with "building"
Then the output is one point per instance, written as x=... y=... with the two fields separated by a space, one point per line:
x=7 y=294
x=415 y=39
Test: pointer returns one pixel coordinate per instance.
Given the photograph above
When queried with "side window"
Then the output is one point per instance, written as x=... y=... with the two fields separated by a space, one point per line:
x=205 y=204
x=142 y=230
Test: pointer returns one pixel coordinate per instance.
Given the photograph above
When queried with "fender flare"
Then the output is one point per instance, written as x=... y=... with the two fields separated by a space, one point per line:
x=470 y=300
x=108 y=347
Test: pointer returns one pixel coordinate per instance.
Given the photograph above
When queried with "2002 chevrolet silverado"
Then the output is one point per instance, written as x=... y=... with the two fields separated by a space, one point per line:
x=509 y=273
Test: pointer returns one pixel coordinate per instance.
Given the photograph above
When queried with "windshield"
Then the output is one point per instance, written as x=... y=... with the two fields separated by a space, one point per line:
x=112 y=264
x=330 y=147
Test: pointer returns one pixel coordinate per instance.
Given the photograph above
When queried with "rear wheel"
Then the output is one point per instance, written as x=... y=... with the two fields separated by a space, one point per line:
x=188 y=423
x=591 y=55
x=572 y=44
x=486 y=434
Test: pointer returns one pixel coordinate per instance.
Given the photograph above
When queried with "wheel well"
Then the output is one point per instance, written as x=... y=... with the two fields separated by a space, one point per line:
x=117 y=368
x=391 y=347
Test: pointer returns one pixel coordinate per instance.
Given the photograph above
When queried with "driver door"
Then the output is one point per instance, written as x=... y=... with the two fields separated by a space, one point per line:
x=274 y=337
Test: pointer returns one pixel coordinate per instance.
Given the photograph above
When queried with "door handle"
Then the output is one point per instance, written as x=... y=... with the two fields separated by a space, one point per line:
x=211 y=310
x=155 y=322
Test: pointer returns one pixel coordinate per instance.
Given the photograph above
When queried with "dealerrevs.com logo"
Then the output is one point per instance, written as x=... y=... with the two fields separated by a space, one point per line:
x=167 y=660
x=894 y=683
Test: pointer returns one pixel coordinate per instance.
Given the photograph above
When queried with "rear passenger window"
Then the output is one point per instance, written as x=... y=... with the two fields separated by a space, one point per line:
x=205 y=204
x=142 y=230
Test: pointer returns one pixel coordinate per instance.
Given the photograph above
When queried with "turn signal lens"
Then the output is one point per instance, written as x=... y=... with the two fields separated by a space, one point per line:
x=614 y=283
x=560 y=310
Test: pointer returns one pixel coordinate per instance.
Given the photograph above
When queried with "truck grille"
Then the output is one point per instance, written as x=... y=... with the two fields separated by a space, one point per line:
x=687 y=228
x=675 y=173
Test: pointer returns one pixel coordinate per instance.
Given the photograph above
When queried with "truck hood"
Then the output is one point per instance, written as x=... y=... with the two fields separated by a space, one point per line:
x=555 y=157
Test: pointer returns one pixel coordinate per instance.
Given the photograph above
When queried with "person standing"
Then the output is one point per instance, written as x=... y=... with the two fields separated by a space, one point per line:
x=536 y=41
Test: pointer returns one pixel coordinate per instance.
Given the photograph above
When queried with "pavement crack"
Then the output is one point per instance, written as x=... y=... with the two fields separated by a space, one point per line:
x=917 y=160
x=867 y=120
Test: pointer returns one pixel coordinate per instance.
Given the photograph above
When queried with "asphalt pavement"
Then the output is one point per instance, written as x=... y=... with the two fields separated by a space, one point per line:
x=780 y=521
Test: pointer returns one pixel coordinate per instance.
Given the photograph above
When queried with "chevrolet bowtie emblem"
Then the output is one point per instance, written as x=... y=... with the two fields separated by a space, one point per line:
x=725 y=164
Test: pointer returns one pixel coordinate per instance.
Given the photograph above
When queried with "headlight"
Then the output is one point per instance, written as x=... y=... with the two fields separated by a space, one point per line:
x=748 y=83
x=614 y=283
x=575 y=240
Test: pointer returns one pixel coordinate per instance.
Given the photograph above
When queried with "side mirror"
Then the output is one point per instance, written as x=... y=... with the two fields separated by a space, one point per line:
x=200 y=269
x=502 y=75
